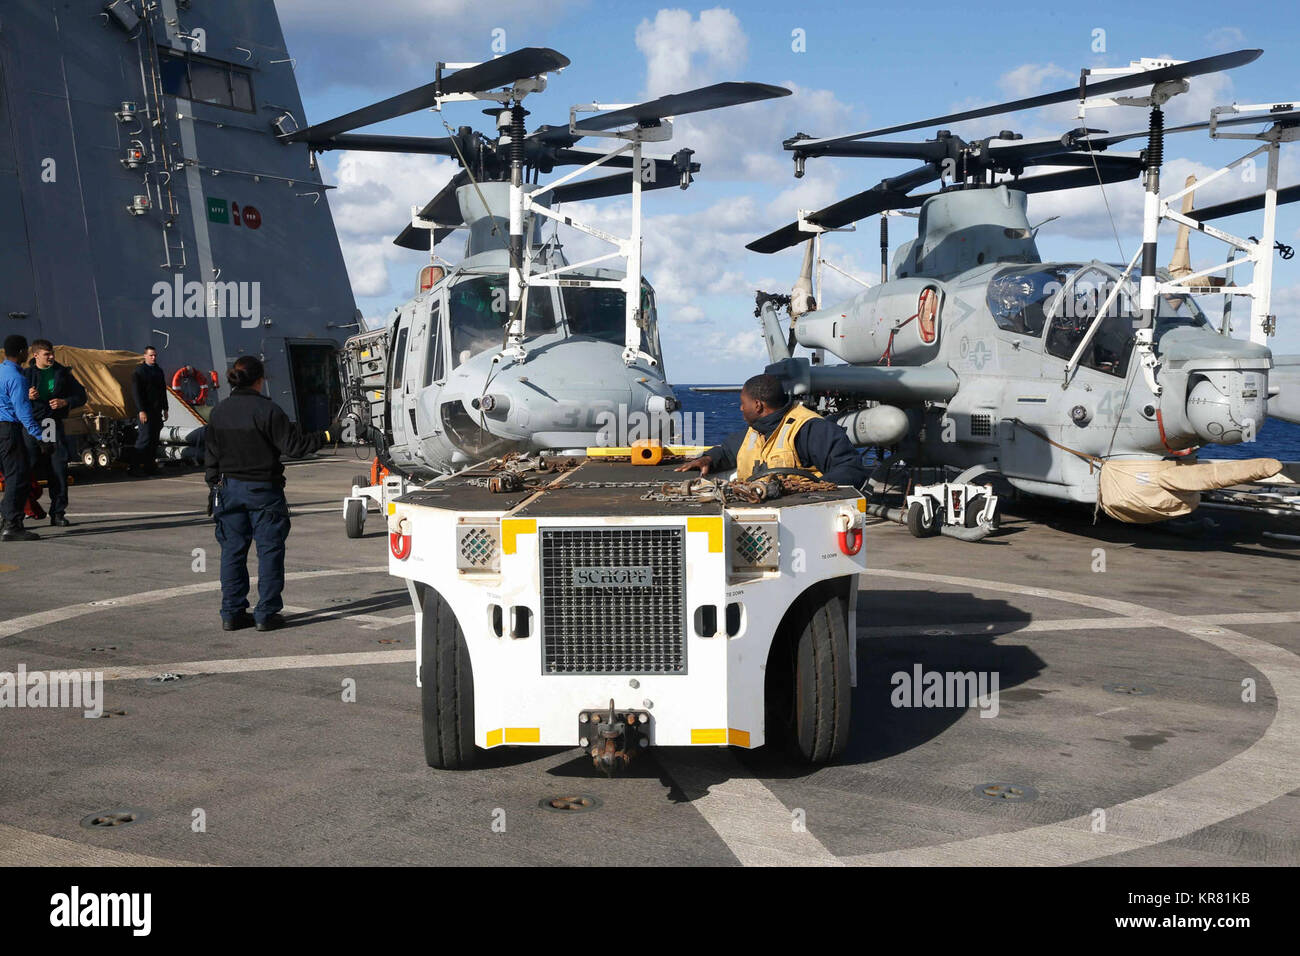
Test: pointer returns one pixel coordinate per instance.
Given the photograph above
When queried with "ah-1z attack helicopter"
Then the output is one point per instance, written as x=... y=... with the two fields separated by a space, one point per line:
x=515 y=348
x=1061 y=377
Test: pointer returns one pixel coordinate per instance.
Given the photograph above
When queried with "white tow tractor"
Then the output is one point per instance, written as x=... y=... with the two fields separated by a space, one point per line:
x=597 y=603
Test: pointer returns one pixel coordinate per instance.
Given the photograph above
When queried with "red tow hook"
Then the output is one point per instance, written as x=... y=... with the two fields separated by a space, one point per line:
x=846 y=533
x=399 y=540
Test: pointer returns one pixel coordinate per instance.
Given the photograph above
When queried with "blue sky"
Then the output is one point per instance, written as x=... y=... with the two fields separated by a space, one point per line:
x=863 y=66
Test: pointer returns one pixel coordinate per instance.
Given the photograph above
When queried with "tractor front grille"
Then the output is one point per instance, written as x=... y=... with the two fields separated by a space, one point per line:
x=613 y=601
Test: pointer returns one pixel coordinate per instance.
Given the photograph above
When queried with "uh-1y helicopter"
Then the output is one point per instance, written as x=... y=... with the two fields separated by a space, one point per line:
x=515 y=349
x=1067 y=379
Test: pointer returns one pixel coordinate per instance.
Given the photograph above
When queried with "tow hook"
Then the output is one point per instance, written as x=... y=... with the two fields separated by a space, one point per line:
x=612 y=736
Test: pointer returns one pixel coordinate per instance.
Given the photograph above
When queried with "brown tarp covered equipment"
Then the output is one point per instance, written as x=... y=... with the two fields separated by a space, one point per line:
x=106 y=376
x=1140 y=492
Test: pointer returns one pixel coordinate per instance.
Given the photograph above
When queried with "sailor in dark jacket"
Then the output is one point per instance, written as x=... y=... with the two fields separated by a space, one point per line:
x=245 y=438
x=783 y=435
x=53 y=392
x=149 y=389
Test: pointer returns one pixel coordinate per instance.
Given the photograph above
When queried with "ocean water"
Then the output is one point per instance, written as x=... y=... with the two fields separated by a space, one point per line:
x=720 y=413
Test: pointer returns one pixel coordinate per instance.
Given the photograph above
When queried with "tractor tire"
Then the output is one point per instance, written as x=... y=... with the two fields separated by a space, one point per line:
x=354 y=517
x=973 y=509
x=361 y=481
x=447 y=687
x=823 y=696
x=810 y=701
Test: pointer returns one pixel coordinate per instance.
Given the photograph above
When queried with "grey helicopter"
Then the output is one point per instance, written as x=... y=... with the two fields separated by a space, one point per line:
x=1076 y=381
x=514 y=349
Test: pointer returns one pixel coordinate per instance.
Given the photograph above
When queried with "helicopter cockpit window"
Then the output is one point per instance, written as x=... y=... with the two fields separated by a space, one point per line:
x=1112 y=344
x=1177 y=311
x=480 y=309
x=601 y=314
x=597 y=312
x=1018 y=298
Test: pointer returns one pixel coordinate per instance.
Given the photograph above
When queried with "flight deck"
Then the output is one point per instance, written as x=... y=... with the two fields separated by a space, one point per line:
x=1139 y=720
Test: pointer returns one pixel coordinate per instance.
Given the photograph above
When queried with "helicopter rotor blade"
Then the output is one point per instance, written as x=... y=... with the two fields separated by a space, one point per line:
x=1075 y=178
x=442 y=209
x=620 y=184
x=1245 y=204
x=887 y=194
x=715 y=97
x=493 y=74
x=1177 y=71
x=427 y=145
x=1098 y=140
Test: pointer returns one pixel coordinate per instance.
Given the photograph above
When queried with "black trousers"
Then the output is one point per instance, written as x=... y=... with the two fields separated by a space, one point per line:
x=55 y=467
x=146 y=439
x=17 y=472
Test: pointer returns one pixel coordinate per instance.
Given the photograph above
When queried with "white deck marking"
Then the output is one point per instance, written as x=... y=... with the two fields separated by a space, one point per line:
x=367 y=622
x=941 y=629
x=24 y=848
x=746 y=811
x=749 y=818
x=54 y=616
x=242 y=665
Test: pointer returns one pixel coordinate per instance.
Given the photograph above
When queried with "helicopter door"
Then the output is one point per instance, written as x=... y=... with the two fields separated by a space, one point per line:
x=397 y=423
x=434 y=364
x=1111 y=345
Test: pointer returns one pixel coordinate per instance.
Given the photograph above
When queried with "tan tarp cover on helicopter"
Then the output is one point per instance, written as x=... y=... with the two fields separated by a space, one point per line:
x=1140 y=492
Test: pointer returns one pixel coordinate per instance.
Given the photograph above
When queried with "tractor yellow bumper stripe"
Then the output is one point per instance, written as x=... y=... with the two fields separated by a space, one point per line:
x=494 y=738
x=710 y=524
x=510 y=527
x=737 y=738
x=523 y=735
x=718 y=736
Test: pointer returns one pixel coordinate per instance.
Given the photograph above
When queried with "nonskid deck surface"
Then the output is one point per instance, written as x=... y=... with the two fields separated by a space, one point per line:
x=1120 y=720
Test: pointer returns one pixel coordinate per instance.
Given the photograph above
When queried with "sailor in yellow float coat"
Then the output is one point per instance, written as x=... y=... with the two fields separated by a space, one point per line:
x=782 y=434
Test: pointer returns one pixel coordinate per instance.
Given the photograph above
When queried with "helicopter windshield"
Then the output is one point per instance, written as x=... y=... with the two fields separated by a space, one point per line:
x=600 y=313
x=1017 y=298
x=1176 y=312
x=480 y=309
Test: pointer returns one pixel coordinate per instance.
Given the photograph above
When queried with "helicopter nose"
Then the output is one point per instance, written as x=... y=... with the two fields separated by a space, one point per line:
x=1226 y=407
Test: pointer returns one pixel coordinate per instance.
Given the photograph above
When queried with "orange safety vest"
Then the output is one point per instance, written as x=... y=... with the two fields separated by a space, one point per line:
x=777 y=450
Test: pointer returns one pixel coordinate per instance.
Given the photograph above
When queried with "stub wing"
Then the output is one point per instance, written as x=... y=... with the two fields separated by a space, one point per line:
x=900 y=385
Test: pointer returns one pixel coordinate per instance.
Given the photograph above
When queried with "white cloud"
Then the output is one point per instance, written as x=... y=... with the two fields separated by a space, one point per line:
x=683 y=52
x=373 y=204
x=393 y=43
x=1225 y=39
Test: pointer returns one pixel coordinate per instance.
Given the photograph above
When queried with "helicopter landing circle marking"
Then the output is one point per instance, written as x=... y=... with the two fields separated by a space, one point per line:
x=1266 y=770
x=1269 y=768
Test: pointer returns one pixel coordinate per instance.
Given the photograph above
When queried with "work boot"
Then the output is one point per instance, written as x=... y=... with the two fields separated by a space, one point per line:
x=58 y=521
x=237 y=622
x=270 y=623
x=16 y=532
